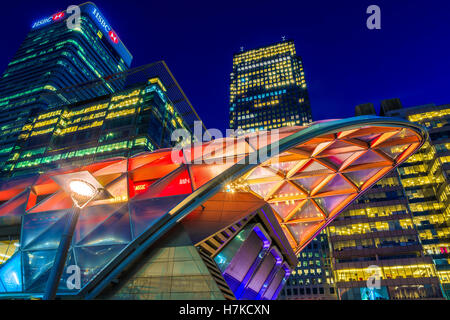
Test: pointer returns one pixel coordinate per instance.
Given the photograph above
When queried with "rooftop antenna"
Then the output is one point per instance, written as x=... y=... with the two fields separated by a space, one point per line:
x=242 y=49
x=283 y=38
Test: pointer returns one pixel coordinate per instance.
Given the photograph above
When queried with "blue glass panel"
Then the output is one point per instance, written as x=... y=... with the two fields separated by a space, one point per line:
x=11 y=274
x=36 y=266
x=91 y=217
x=35 y=224
x=114 y=230
x=50 y=238
x=93 y=258
x=145 y=213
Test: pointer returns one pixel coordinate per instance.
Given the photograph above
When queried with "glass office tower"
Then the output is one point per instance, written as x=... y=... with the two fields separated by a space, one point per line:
x=425 y=178
x=57 y=55
x=268 y=89
x=139 y=118
x=376 y=234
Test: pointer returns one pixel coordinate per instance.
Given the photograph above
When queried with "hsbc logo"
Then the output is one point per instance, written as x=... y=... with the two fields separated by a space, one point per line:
x=106 y=27
x=113 y=36
x=58 y=16
x=55 y=17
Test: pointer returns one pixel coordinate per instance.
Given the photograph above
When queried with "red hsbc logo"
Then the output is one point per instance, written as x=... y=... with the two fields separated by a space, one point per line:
x=58 y=15
x=113 y=36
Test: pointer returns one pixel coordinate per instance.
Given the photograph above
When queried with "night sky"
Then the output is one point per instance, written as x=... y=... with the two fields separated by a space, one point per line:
x=345 y=63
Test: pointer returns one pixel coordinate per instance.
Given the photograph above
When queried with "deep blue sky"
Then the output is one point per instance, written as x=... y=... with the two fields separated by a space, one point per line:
x=345 y=63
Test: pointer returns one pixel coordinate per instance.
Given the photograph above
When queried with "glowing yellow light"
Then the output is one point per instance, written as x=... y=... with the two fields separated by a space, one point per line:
x=82 y=188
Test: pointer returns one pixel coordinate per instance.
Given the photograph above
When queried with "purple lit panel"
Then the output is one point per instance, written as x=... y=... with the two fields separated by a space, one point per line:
x=361 y=176
x=337 y=183
x=328 y=204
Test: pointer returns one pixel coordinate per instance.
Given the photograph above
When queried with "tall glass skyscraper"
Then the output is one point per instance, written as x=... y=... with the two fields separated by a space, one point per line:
x=54 y=55
x=268 y=89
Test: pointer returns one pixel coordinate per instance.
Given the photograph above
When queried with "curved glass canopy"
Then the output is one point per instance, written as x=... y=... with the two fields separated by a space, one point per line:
x=308 y=175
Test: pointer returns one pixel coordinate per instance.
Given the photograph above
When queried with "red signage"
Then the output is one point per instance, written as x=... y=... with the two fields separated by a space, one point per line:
x=113 y=36
x=58 y=15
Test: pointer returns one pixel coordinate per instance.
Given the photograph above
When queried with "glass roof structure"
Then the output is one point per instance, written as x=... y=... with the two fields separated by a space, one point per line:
x=308 y=175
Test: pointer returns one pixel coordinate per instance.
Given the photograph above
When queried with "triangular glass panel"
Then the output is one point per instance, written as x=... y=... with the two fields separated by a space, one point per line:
x=360 y=176
x=176 y=183
x=115 y=230
x=394 y=151
x=36 y=264
x=309 y=183
x=57 y=201
x=145 y=213
x=93 y=216
x=303 y=231
x=11 y=273
x=288 y=190
x=315 y=167
x=16 y=206
x=50 y=237
x=339 y=158
x=369 y=138
x=263 y=189
x=34 y=224
x=118 y=188
x=92 y=259
x=261 y=172
x=328 y=204
x=286 y=166
x=203 y=173
x=335 y=184
x=368 y=157
x=283 y=208
x=339 y=147
x=308 y=210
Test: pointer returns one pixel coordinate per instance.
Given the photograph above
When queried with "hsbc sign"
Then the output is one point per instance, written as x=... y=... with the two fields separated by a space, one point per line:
x=72 y=16
x=106 y=27
x=55 y=17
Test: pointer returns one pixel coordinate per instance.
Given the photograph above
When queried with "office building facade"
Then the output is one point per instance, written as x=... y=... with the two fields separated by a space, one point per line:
x=137 y=119
x=425 y=179
x=268 y=89
x=312 y=278
x=376 y=237
x=56 y=54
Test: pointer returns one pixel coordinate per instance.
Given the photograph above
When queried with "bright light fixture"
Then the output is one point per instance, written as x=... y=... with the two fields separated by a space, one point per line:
x=82 y=188
x=82 y=192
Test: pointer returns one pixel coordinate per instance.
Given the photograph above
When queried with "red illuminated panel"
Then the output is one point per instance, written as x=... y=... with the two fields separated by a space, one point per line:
x=58 y=16
x=176 y=183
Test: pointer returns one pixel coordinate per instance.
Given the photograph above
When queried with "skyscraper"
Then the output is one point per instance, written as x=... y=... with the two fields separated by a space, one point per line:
x=425 y=178
x=268 y=89
x=139 y=118
x=56 y=55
